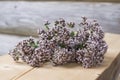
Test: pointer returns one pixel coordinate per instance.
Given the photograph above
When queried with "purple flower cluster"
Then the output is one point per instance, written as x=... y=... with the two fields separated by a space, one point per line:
x=61 y=45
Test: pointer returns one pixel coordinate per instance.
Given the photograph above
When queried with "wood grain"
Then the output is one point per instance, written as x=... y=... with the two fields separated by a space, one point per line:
x=9 y=70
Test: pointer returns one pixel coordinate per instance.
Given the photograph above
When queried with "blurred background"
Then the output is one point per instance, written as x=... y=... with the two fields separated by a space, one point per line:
x=20 y=19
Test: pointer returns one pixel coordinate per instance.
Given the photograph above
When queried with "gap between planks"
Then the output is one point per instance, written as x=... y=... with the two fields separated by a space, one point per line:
x=21 y=74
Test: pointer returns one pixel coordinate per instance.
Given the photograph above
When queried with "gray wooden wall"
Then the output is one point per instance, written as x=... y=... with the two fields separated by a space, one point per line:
x=69 y=0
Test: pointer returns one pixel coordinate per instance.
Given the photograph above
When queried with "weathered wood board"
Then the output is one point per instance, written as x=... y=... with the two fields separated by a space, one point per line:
x=9 y=70
x=27 y=17
x=108 y=70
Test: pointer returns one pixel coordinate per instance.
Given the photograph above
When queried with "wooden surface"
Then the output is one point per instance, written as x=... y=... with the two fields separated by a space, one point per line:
x=9 y=70
x=24 y=18
x=69 y=0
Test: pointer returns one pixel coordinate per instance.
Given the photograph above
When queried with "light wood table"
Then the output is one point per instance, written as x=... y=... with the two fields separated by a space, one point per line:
x=108 y=70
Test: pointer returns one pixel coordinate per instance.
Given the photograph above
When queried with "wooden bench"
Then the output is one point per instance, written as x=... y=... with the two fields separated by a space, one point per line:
x=108 y=70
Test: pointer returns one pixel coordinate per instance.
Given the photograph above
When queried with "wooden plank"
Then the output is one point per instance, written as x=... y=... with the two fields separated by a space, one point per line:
x=75 y=71
x=9 y=70
x=112 y=73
